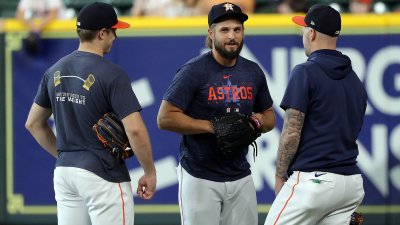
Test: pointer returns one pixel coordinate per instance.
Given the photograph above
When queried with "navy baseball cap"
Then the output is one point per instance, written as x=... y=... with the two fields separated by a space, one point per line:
x=225 y=11
x=321 y=18
x=98 y=15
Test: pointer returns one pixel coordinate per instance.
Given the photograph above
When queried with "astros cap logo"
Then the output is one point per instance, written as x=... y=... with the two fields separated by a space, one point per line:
x=225 y=11
x=228 y=6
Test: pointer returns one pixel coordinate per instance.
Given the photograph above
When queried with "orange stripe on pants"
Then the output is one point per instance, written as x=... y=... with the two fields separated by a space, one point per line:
x=287 y=201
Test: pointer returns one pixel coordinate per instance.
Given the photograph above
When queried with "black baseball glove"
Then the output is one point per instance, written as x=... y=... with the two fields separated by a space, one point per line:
x=235 y=131
x=356 y=218
x=111 y=133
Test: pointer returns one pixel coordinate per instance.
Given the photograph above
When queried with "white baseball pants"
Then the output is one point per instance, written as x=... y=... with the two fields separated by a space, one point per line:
x=83 y=198
x=309 y=198
x=216 y=203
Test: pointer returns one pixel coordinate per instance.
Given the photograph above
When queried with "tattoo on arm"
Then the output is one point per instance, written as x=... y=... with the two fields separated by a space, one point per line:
x=289 y=140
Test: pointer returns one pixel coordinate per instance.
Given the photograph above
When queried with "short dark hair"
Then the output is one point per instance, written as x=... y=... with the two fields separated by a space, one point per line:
x=86 y=35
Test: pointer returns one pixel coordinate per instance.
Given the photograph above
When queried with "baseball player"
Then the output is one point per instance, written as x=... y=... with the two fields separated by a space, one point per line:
x=324 y=105
x=214 y=189
x=91 y=185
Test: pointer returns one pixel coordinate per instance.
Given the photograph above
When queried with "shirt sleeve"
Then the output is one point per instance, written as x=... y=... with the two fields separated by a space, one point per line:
x=297 y=94
x=42 y=96
x=182 y=89
x=263 y=100
x=122 y=98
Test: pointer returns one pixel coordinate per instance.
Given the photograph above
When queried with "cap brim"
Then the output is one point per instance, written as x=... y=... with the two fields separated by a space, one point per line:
x=299 y=20
x=121 y=25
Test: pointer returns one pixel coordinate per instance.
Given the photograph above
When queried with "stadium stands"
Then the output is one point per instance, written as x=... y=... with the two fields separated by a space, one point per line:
x=8 y=7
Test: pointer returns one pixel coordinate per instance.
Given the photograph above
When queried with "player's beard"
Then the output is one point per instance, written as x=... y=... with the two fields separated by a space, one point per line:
x=220 y=47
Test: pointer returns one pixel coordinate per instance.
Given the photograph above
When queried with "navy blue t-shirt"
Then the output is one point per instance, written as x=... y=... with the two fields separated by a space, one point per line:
x=80 y=88
x=334 y=100
x=203 y=88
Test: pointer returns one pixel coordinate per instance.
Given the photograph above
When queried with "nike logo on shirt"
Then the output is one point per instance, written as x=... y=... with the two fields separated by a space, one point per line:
x=227 y=76
x=319 y=174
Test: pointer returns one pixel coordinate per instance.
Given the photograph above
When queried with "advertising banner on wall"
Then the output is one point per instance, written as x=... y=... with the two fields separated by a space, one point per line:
x=151 y=63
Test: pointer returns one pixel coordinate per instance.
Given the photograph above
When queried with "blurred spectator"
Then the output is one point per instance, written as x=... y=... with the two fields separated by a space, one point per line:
x=176 y=8
x=336 y=6
x=292 y=6
x=44 y=10
x=247 y=6
x=380 y=8
x=36 y=15
x=167 y=8
x=195 y=7
x=150 y=7
x=396 y=8
x=360 y=6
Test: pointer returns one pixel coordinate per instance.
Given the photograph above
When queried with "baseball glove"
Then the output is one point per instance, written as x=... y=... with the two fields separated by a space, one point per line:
x=111 y=133
x=235 y=131
x=356 y=218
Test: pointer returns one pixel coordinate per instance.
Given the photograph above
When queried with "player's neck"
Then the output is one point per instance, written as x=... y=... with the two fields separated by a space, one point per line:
x=222 y=60
x=323 y=42
x=90 y=47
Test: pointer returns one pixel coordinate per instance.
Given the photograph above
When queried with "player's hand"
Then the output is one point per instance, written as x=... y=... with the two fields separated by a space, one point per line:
x=279 y=182
x=147 y=186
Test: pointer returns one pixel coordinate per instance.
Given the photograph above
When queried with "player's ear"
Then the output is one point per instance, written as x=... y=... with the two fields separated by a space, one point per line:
x=102 y=33
x=210 y=33
x=313 y=34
